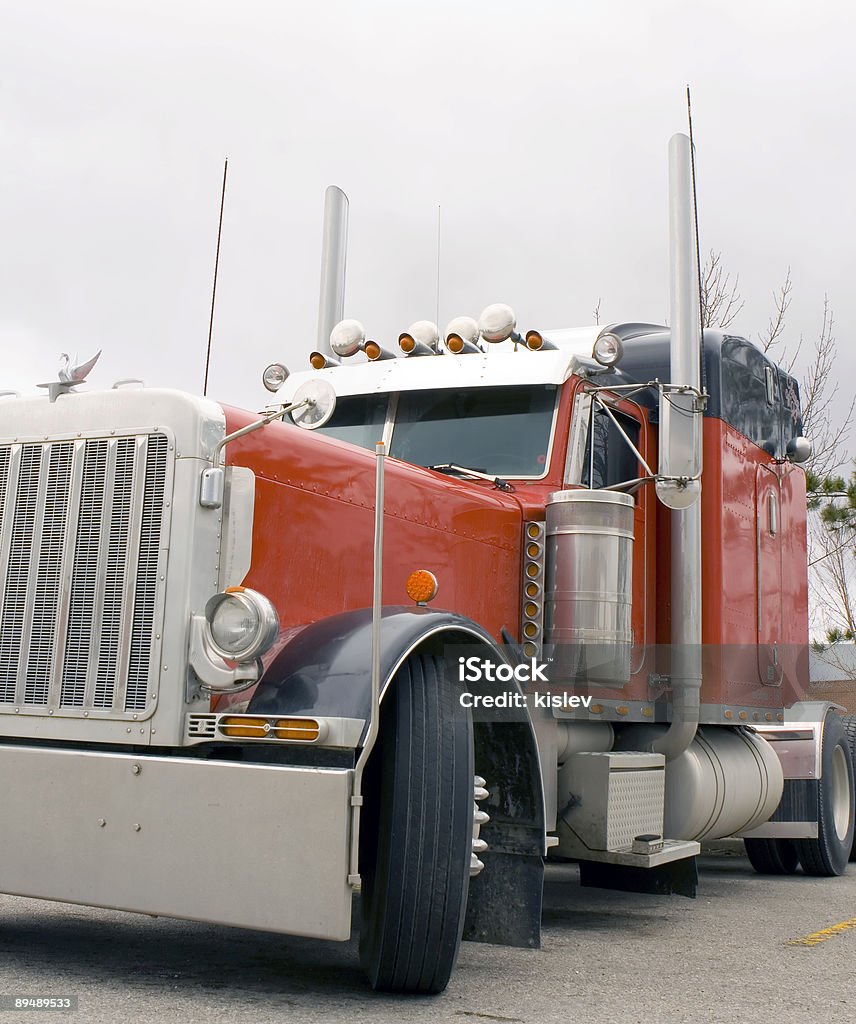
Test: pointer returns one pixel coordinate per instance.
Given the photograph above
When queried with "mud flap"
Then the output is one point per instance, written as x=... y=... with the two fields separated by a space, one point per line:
x=504 y=905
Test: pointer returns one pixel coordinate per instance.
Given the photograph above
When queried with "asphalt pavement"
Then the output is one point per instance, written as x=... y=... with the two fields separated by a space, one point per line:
x=747 y=949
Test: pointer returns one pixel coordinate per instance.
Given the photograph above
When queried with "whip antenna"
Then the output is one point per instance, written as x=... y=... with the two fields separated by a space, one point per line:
x=216 y=267
x=438 y=264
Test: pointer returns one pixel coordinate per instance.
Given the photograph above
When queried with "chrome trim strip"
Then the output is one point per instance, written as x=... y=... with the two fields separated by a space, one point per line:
x=132 y=555
x=101 y=574
x=7 y=516
x=68 y=548
x=38 y=467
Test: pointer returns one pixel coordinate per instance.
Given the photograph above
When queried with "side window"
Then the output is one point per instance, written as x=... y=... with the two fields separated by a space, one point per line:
x=613 y=460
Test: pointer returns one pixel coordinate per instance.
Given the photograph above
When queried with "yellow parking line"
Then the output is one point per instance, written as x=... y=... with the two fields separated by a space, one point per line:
x=816 y=938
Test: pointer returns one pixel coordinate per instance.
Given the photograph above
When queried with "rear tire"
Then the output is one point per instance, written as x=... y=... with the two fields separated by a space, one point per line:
x=772 y=856
x=828 y=854
x=416 y=836
x=849 y=722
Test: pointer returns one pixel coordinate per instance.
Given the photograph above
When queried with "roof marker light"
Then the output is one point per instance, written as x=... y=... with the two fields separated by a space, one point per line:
x=462 y=335
x=536 y=342
x=420 y=339
x=320 y=361
x=374 y=352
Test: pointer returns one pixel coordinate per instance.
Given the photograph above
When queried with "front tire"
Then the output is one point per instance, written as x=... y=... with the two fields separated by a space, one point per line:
x=416 y=836
x=829 y=853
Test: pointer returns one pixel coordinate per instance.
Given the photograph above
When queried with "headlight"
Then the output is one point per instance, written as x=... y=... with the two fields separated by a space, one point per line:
x=242 y=624
x=608 y=349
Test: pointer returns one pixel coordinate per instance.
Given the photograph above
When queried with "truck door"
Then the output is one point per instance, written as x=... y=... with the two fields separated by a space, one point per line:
x=768 y=580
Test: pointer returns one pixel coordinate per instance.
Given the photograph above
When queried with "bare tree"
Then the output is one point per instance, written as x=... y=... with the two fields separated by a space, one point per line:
x=829 y=432
x=597 y=312
x=773 y=332
x=832 y=562
x=720 y=296
x=833 y=608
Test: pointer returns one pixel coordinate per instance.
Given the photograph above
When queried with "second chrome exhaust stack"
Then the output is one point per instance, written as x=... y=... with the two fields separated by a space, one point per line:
x=684 y=445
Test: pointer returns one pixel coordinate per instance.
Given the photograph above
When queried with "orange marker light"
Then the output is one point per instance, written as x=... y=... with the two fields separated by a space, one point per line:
x=372 y=350
x=422 y=586
x=307 y=729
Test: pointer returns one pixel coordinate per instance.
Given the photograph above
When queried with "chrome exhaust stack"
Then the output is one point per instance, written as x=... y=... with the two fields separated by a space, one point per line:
x=334 y=248
x=681 y=441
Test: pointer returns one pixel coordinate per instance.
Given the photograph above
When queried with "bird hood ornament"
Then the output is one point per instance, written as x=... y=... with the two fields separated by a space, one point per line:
x=69 y=375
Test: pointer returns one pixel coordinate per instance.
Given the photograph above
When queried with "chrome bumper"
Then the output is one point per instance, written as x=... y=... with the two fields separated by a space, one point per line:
x=258 y=846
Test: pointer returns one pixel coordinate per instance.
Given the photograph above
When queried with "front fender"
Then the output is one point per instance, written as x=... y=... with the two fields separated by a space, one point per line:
x=326 y=669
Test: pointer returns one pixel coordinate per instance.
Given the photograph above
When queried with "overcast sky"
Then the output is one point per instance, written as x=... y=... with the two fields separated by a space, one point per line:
x=539 y=128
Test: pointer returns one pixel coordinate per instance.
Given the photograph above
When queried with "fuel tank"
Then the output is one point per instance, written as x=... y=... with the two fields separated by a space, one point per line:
x=728 y=780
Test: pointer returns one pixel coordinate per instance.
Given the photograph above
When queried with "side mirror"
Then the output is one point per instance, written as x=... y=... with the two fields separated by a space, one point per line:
x=314 y=403
x=798 y=450
x=680 y=448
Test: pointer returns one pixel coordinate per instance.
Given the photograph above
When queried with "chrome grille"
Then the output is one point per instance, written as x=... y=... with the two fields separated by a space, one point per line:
x=81 y=536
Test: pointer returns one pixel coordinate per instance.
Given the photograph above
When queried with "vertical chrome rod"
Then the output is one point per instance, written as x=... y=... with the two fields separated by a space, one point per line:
x=374 y=724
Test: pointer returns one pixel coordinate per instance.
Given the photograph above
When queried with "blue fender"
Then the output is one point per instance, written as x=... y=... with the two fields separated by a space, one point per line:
x=326 y=669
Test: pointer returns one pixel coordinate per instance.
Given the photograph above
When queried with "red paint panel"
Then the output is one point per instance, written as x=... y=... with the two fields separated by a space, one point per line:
x=754 y=650
x=314 y=523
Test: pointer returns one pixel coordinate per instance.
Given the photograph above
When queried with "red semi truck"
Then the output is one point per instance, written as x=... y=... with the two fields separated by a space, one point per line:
x=427 y=622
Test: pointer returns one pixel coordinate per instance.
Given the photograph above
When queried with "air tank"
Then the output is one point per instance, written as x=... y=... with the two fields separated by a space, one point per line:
x=589 y=561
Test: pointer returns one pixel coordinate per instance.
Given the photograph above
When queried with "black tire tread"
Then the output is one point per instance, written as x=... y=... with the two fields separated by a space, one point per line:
x=821 y=857
x=850 y=728
x=414 y=897
x=772 y=856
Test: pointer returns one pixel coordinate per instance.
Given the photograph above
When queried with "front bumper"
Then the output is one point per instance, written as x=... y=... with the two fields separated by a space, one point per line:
x=258 y=846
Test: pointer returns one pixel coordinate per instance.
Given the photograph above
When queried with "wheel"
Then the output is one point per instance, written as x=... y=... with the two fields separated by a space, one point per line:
x=417 y=832
x=850 y=728
x=828 y=854
x=772 y=856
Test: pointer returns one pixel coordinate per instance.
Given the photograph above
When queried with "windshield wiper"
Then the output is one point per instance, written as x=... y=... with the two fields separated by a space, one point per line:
x=479 y=474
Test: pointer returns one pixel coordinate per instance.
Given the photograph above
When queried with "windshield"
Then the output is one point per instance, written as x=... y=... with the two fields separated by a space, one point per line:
x=501 y=431
x=358 y=419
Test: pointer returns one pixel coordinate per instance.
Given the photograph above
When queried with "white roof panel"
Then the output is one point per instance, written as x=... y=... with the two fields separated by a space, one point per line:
x=500 y=365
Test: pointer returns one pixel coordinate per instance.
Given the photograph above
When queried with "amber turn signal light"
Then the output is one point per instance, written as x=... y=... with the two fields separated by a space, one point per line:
x=422 y=586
